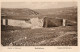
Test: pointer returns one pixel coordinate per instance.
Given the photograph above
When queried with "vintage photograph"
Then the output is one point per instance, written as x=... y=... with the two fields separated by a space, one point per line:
x=39 y=24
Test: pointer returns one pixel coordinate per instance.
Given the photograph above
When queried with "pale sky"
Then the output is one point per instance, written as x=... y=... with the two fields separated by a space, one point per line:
x=37 y=5
x=36 y=0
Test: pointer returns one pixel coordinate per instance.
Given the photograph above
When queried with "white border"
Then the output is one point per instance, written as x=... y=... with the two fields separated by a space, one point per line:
x=46 y=48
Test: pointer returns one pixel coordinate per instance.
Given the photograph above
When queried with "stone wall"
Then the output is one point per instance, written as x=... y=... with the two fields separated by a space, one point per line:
x=32 y=23
x=19 y=23
x=36 y=23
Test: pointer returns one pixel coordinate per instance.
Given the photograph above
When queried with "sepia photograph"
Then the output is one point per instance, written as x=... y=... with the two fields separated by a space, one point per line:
x=39 y=24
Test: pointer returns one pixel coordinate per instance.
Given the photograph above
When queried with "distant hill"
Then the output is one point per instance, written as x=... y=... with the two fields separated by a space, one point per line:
x=69 y=13
x=67 y=10
x=18 y=13
x=66 y=13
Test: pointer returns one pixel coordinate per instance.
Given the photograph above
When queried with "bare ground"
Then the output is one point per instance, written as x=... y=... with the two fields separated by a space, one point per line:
x=56 y=36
